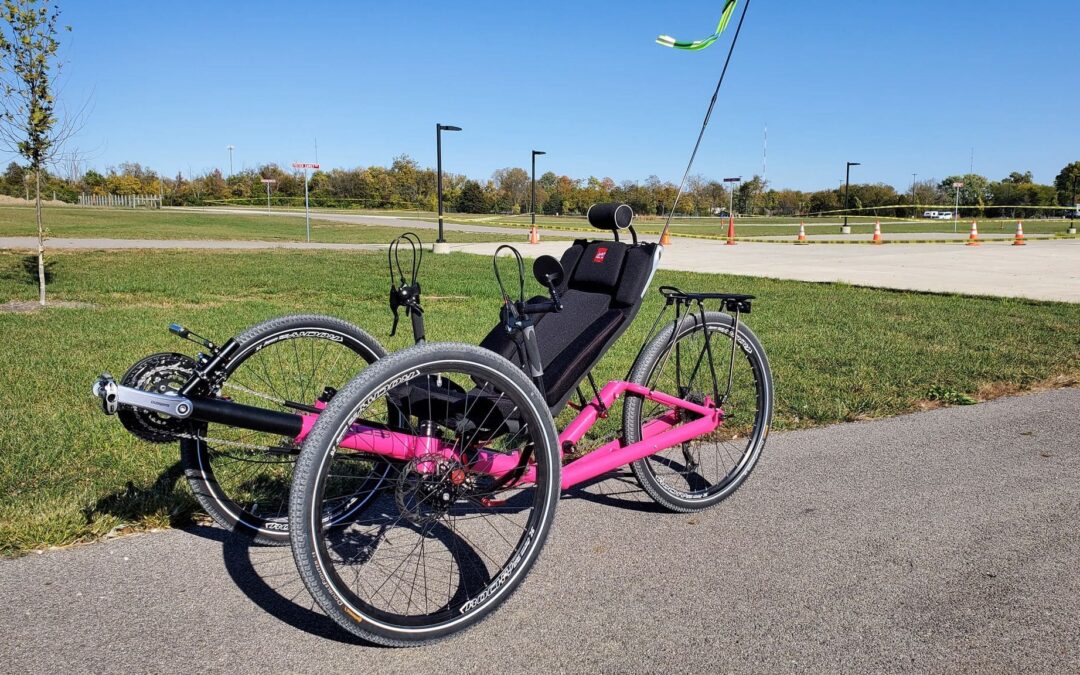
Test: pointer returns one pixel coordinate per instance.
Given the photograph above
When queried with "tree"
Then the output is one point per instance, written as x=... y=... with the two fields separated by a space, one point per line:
x=513 y=186
x=472 y=198
x=1018 y=177
x=28 y=122
x=746 y=197
x=1067 y=184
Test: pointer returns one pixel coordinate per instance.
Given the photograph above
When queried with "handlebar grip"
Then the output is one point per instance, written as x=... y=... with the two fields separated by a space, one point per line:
x=417 y=326
x=541 y=307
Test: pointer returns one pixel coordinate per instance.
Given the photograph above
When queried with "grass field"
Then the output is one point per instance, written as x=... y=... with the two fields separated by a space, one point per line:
x=68 y=473
x=89 y=222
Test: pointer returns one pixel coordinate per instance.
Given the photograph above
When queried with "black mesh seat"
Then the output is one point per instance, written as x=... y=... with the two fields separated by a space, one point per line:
x=602 y=291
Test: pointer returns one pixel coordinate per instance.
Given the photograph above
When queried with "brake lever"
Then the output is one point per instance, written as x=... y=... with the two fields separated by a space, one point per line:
x=395 y=303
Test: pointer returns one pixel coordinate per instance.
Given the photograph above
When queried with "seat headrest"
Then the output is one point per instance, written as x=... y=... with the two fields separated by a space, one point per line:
x=610 y=216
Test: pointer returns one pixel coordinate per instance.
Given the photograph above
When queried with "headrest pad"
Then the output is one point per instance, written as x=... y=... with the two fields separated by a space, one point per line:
x=610 y=216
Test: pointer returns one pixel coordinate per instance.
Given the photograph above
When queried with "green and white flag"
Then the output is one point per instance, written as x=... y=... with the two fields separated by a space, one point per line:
x=668 y=41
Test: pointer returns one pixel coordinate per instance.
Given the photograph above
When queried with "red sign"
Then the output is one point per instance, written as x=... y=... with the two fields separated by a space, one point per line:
x=600 y=253
x=304 y=165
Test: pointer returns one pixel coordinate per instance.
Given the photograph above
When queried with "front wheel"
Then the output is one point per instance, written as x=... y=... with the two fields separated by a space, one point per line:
x=445 y=542
x=242 y=477
x=692 y=361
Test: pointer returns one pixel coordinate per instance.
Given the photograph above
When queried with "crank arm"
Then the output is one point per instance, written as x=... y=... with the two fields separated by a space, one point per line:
x=113 y=395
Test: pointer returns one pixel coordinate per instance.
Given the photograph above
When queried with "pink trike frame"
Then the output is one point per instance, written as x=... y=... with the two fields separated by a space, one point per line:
x=658 y=434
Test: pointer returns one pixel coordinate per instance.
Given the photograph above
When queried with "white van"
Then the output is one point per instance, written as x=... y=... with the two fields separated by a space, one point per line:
x=929 y=214
x=942 y=215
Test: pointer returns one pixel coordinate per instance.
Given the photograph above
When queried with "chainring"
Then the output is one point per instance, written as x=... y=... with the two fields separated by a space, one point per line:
x=160 y=374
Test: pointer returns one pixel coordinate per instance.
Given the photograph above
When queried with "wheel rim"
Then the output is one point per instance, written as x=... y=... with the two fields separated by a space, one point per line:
x=710 y=465
x=418 y=560
x=249 y=473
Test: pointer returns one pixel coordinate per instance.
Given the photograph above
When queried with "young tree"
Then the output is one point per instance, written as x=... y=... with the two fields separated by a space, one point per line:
x=28 y=121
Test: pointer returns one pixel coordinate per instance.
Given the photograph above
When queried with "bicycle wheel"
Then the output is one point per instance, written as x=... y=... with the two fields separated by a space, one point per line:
x=444 y=543
x=699 y=473
x=242 y=477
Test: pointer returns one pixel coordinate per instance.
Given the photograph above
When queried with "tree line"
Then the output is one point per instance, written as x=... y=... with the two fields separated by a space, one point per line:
x=407 y=185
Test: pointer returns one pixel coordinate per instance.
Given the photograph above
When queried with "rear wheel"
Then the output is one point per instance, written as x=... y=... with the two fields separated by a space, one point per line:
x=445 y=543
x=242 y=477
x=691 y=361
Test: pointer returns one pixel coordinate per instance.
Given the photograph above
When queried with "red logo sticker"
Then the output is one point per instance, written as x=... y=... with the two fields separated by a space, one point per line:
x=600 y=253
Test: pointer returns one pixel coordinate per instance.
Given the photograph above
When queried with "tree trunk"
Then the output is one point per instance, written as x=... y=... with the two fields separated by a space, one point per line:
x=41 y=238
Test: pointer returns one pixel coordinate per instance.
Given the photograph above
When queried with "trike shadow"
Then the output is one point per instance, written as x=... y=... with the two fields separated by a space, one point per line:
x=265 y=574
x=268 y=577
x=618 y=489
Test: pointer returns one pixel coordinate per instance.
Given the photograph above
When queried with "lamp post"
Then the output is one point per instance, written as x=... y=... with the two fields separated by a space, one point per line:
x=914 y=206
x=532 y=200
x=845 y=228
x=230 y=148
x=440 y=243
x=731 y=196
x=956 y=209
x=268 y=182
x=1075 y=205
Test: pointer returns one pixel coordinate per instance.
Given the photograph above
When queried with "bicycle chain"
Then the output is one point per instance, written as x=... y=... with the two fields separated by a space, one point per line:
x=222 y=441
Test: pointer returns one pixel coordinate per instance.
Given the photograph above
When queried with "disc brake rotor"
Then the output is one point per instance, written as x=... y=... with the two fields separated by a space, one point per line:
x=428 y=486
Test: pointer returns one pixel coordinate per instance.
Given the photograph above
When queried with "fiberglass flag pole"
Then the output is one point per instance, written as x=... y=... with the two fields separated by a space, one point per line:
x=668 y=41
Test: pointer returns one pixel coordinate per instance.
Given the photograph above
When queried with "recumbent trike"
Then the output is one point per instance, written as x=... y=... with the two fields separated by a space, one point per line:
x=423 y=489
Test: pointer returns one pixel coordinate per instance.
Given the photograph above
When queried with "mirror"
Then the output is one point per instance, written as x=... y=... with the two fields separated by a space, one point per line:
x=548 y=271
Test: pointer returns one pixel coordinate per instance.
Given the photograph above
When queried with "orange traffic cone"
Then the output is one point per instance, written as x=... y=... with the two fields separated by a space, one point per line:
x=877 y=232
x=973 y=238
x=731 y=230
x=802 y=234
x=534 y=235
x=1019 y=241
x=665 y=238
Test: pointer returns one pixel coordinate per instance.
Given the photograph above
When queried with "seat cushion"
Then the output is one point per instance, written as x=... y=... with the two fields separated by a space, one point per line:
x=574 y=362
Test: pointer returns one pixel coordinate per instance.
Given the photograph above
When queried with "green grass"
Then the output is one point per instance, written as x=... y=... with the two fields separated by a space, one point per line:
x=68 y=473
x=89 y=222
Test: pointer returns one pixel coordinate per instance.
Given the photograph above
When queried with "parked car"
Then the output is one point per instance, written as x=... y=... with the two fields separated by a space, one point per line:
x=943 y=215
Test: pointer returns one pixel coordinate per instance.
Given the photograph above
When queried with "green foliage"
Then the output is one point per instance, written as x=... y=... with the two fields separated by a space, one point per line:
x=472 y=198
x=1067 y=184
x=29 y=56
x=948 y=396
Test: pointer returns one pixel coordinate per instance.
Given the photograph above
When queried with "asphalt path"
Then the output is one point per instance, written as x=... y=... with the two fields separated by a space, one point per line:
x=939 y=541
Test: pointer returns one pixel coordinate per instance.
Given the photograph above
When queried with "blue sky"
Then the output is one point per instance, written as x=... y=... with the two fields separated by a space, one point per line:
x=902 y=87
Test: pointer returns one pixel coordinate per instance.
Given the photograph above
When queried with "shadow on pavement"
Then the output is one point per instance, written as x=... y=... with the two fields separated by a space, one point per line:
x=268 y=577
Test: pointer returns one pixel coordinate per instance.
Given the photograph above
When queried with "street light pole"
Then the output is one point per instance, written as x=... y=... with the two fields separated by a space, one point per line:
x=268 y=182
x=230 y=148
x=731 y=195
x=532 y=201
x=440 y=243
x=956 y=208
x=846 y=229
x=1075 y=206
x=914 y=206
